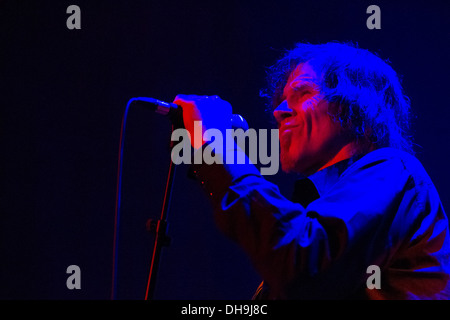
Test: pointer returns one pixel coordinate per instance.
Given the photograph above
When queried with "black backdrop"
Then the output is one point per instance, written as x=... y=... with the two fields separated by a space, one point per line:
x=63 y=94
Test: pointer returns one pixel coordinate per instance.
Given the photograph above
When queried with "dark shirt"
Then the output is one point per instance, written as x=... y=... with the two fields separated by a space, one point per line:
x=381 y=209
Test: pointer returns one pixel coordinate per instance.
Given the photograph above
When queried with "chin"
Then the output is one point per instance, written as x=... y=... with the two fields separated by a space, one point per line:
x=288 y=164
x=299 y=165
x=287 y=169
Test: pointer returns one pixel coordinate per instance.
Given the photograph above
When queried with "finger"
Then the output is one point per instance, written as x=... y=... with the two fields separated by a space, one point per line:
x=182 y=97
x=185 y=101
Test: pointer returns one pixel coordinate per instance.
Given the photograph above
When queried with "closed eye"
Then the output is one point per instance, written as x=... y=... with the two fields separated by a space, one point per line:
x=301 y=92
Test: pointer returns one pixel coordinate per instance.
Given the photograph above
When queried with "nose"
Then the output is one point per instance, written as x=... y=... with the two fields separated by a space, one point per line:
x=282 y=112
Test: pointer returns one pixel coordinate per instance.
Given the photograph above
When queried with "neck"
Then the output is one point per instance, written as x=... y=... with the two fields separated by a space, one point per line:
x=349 y=150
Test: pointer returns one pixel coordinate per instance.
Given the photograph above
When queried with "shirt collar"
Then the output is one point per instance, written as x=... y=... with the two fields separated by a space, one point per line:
x=326 y=178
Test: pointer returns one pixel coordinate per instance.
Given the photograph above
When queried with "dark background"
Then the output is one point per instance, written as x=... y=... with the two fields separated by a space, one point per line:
x=63 y=95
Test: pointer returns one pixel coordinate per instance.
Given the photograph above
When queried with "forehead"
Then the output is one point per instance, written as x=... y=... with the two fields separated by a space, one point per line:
x=303 y=74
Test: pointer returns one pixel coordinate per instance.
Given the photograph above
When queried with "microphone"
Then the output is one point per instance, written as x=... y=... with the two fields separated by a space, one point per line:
x=175 y=112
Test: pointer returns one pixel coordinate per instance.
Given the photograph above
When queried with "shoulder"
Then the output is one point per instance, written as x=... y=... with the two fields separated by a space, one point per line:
x=392 y=161
x=398 y=168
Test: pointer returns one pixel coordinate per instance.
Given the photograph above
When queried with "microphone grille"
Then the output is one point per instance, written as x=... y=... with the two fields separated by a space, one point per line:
x=238 y=122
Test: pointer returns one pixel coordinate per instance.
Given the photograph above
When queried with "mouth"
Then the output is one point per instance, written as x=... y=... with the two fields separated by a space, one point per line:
x=285 y=133
x=288 y=126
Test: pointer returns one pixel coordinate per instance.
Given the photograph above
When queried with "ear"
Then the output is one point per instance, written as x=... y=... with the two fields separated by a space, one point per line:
x=367 y=143
x=339 y=113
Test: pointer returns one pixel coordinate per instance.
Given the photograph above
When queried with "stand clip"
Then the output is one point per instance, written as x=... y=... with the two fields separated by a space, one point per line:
x=159 y=228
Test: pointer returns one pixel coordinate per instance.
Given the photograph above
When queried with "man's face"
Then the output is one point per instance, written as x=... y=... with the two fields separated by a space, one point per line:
x=309 y=138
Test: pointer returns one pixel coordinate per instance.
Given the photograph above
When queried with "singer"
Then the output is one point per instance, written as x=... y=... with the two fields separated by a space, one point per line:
x=362 y=198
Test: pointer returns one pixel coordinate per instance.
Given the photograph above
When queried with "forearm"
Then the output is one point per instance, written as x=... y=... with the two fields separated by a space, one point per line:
x=282 y=241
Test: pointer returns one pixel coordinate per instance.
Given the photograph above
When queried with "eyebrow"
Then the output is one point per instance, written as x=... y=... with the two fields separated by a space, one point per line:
x=305 y=83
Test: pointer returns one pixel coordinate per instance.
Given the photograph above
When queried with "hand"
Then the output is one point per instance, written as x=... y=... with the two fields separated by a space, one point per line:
x=212 y=111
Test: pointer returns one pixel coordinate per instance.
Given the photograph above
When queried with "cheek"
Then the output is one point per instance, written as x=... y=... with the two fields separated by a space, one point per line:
x=326 y=131
x=323 y=128
x=312 y=104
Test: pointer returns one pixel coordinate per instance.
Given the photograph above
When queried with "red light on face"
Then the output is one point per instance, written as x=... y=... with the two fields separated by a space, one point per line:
x=309 y=137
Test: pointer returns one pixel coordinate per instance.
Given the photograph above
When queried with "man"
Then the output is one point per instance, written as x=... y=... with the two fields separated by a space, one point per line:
x=366 y=202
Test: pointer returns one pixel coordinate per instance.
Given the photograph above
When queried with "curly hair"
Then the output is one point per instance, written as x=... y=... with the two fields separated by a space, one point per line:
x=365 y=87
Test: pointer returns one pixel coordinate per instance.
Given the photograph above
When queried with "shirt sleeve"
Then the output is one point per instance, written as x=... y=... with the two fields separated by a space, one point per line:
x=323 y=250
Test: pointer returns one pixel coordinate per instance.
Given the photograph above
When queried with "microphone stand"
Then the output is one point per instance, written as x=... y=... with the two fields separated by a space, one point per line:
x=159 y=227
